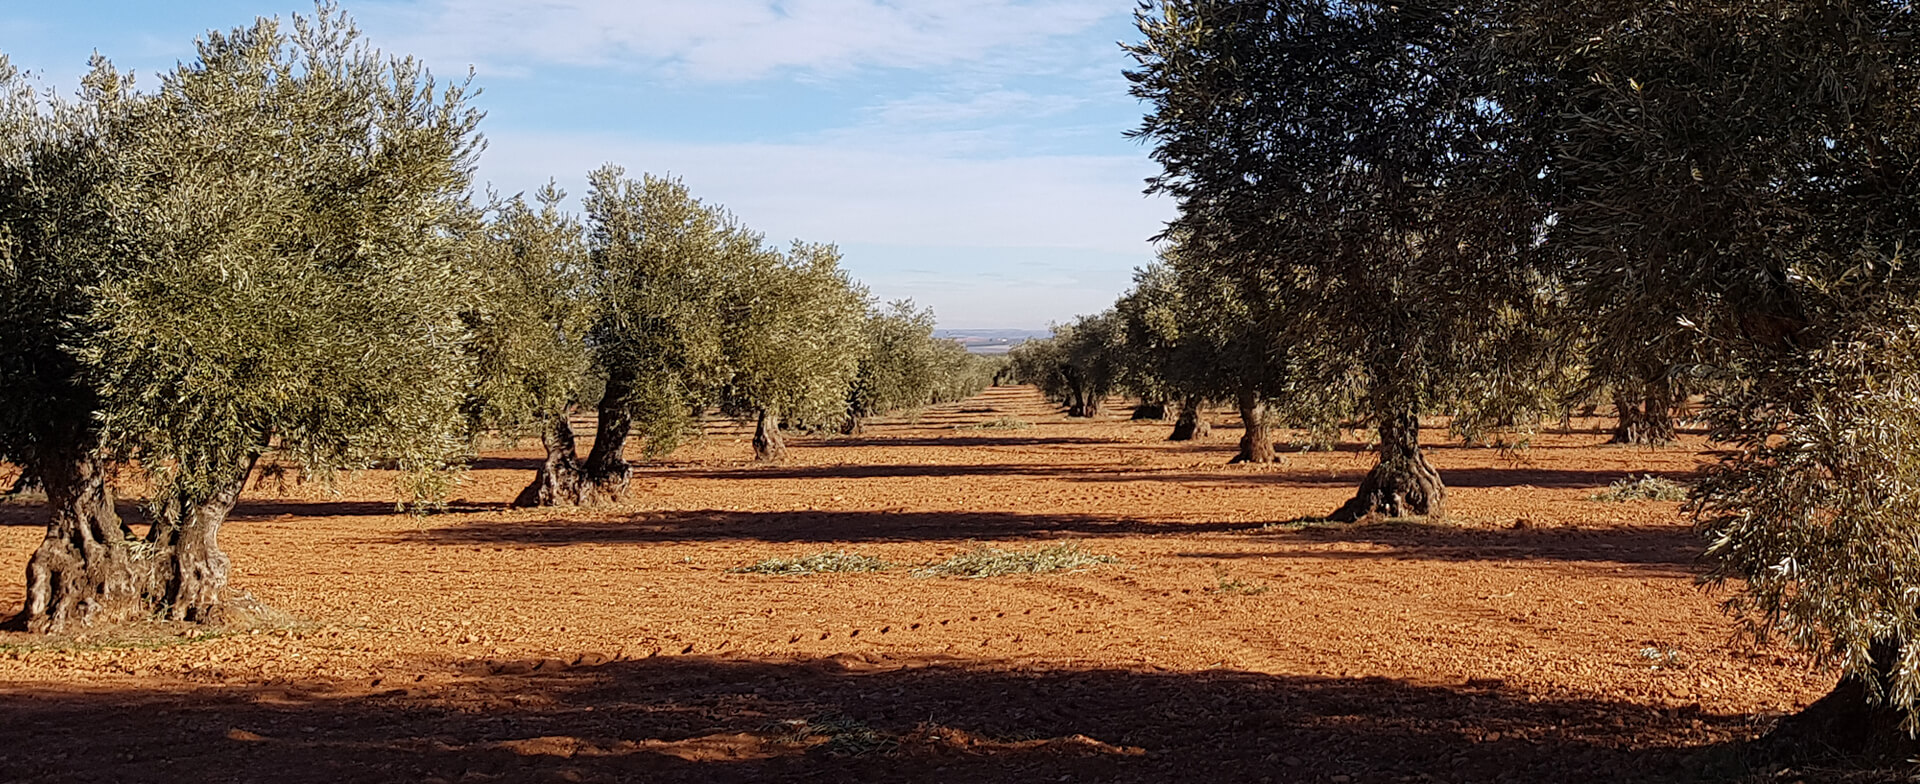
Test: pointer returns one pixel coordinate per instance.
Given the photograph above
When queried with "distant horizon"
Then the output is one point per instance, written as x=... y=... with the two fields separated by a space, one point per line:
x=972 y=160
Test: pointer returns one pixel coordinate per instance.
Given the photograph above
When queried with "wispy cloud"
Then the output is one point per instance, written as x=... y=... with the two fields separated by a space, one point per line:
x=844 y=191
x=951 y=108
x=734 y=40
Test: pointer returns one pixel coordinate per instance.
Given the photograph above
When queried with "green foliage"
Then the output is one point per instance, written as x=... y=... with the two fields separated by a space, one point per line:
x=793 y=333
x=1002 y=423
x=1228 y=584
x=960 y=374
x=984 y=561
x=261 y=252
x=837 y=735
x=530 y=329
x=665 y=267
x=1079 y=366
x=829 y=562
x=1645 y=488
x=899 y=367
x=61 y=236
x=1341 y=168
x=1724 y=170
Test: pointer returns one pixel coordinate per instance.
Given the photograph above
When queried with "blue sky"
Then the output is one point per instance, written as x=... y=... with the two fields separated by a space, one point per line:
x=967 y=155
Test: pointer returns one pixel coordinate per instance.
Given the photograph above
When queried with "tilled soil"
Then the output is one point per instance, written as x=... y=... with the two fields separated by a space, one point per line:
x=1535 y=635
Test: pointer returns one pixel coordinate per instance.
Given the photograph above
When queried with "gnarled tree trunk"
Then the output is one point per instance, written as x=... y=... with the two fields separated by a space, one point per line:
x=1190 y=425
x=560 y=479
x=605 y=476
x=85 y=572
x=190 y=570
x=1256 y=442
x=1403 y=483
x=768 y=445
x=1648 y=420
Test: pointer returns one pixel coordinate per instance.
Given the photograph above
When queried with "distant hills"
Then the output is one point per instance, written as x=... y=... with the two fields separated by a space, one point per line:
x=991 y=341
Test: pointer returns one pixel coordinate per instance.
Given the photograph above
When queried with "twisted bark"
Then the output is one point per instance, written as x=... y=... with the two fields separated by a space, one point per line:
x=1190 y=425
x=768 y=445
x=605 y=477
x=85 y=572
x=1402 y=483
x=1256 y=442
x=560 y=479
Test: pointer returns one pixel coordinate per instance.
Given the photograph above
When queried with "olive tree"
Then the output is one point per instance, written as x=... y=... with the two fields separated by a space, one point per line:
x=661 y=264
x=900 y=364
x=530 y=333
x=1349 y=161
x=1748 y=165
x=960 y=374
x=1078 y=367
x=281 y=216
x=793 y=342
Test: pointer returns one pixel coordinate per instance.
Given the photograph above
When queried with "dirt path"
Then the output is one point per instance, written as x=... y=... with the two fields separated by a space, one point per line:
x=1511 y=643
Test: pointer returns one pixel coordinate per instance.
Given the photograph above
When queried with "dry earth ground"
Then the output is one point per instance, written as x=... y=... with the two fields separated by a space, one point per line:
x=487 y=644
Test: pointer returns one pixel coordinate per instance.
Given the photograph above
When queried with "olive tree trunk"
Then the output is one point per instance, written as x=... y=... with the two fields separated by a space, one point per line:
x=560 y=479
x=1083 y=404
x=84 y=572
x=1150 y=410
x=190 y=571
x=1402 y=483
x=90 y=571
x=1647 y=420
x=606 y=476
x=1256 y=441
x=854 y=426
x=1846 y=723
x=1190 y=425
x=768 y=445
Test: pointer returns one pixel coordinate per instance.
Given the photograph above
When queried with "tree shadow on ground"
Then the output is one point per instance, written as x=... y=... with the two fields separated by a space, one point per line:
x=1519 y=476
x=1281 y=475
x=892 y=471
x=864 y=526
x=1665 y=548
x=23 y=513
x=852 y=718
x=958 y=439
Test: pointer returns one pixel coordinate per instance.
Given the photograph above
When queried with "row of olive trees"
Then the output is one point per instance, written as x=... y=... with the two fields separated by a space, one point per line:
x=272 y=256
x=1468 y=208
x=659 y=307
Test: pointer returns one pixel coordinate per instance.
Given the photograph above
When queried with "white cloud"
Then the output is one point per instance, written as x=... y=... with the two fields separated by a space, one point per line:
x=987 y=242
x=930 y=109
x=730 y=40
x=845 y=191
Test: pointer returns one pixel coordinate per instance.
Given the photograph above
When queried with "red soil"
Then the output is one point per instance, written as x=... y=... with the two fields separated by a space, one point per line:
x=482 y=644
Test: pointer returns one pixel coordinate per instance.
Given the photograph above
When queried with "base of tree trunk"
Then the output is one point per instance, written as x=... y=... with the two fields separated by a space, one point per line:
x=1084 y=409
x=605 y=476
x=90 y=573
x=1843 y=725
x=1647 y=421
x=1402 y=483
x=85 y=572
x=1256 y=441
x=1191 y=425
x=768 y=445
x=562 y=480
